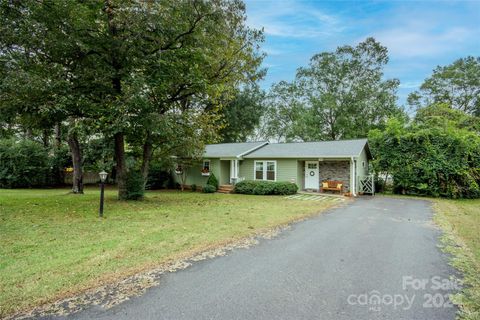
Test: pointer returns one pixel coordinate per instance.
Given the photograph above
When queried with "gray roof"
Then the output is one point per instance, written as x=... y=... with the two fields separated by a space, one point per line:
x=319 y=149
x=228 y=150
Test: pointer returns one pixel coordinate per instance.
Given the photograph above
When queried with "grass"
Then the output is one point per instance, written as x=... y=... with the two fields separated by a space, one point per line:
x=460 y=219
x=53 y=244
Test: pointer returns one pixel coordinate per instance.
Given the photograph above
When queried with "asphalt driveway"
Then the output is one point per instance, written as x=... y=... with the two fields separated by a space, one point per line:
x=376 y=258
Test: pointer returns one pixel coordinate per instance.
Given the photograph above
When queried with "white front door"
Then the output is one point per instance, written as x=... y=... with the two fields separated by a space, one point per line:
x=311 y=175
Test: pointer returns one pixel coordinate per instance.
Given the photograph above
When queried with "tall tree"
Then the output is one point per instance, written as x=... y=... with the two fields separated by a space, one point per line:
x=457 y=85
x=285 y=116
x=41 y=59
x=124 y=63
x=346 y=91
x=242 y=115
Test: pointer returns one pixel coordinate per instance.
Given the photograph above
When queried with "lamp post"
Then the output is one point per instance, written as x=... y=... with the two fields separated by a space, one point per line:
x=103 y=178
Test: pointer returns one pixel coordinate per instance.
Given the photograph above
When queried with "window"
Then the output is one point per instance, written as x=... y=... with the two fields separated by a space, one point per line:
x=258 y=170
x=271 y=170
x=266 y=170
x=206 y=166
x=363 y=164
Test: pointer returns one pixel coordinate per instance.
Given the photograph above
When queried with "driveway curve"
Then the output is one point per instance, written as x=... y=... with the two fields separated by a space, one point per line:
x=376 y=258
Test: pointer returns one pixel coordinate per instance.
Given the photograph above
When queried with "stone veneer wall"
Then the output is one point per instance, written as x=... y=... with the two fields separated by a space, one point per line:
x=335 y=170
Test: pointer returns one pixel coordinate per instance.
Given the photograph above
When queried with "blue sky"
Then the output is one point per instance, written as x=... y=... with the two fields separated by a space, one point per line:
x=418 y=34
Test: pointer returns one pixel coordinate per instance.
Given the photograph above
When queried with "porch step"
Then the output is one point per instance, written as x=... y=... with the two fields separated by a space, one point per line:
x=225 y=188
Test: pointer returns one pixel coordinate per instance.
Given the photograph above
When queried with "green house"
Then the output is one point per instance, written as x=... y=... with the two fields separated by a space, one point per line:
x=310 y=165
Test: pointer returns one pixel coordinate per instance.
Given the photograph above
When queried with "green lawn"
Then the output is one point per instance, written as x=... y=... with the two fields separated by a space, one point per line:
x=460 y=220
x=54 y=245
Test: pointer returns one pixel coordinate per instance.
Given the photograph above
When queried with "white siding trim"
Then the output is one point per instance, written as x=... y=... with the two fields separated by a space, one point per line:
x=251 y=150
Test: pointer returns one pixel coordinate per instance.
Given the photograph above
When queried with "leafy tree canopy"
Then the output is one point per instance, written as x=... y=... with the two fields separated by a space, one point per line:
x=436 y=154
x=242 y=115
x=124 y=68
x=457 y=84
x=340 y=95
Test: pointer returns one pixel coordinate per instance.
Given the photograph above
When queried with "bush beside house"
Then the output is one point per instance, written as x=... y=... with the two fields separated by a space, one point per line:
x=266 y=187
x=209 y=189
x=438 y=154
x=212 y=181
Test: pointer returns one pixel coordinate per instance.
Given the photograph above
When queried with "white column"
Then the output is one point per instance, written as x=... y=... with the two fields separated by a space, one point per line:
x=236 y=169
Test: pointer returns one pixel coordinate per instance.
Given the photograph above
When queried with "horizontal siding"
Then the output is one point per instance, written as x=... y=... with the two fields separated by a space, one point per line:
x=287 y=169
x=246 y=169
x=224 y=177
x=194 y=174
x=301 y=175
x=362 y=171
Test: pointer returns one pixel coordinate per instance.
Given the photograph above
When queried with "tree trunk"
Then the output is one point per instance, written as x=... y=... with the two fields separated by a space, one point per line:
x=45 y=138
x=74 y=146
x=121 y=169
x=58 y=135
x=147 y=155
x=183 y=179
x=385 y=182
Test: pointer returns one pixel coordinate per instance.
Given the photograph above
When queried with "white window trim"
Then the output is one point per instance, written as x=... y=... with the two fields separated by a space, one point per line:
x=209 y=165
x=264 y=170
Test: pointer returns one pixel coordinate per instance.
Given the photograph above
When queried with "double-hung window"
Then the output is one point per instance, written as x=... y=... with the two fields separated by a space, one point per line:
x=206 y=166
x=266 y=170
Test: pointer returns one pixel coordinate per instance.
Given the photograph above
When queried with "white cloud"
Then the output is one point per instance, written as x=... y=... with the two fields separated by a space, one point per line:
x=272 y=51
x=413 y=42
x=410 y=84
x=291 y=19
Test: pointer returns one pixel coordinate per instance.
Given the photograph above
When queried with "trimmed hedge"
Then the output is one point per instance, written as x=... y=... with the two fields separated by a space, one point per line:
x=266 y=187
x=209 y=189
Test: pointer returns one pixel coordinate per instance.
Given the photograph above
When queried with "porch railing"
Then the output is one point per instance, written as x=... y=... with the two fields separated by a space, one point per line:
x=236 y=180
x=367 y=184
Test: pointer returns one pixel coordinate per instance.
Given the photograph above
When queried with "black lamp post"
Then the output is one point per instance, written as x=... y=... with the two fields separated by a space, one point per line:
x=103 y=178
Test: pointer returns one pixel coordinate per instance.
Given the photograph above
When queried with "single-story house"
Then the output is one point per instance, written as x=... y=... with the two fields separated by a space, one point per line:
x=308 y=164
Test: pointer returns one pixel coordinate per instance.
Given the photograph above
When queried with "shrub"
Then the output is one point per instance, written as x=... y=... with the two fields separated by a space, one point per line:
x=285 y=188
x=134 y=184
x=209 y=189
x=193 y=187
x=23 y=164
x=266 y=187
x=246 y=186
x=212 y=181
x=159 y=178
x=428 y=161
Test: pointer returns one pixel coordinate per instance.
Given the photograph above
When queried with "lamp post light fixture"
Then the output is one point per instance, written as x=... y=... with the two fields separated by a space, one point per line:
x=103 y=178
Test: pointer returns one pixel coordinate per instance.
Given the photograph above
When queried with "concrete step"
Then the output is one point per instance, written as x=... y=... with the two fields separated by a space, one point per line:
x=226 y=188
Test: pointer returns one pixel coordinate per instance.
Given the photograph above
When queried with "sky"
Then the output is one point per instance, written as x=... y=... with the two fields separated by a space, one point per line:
x=419 y=35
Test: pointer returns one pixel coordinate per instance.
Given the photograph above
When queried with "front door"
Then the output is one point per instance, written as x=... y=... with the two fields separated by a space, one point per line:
x=311 y=175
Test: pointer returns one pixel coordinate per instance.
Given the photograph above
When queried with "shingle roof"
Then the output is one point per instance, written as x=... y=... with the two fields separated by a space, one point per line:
x=229 y=150
x=320 y=149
